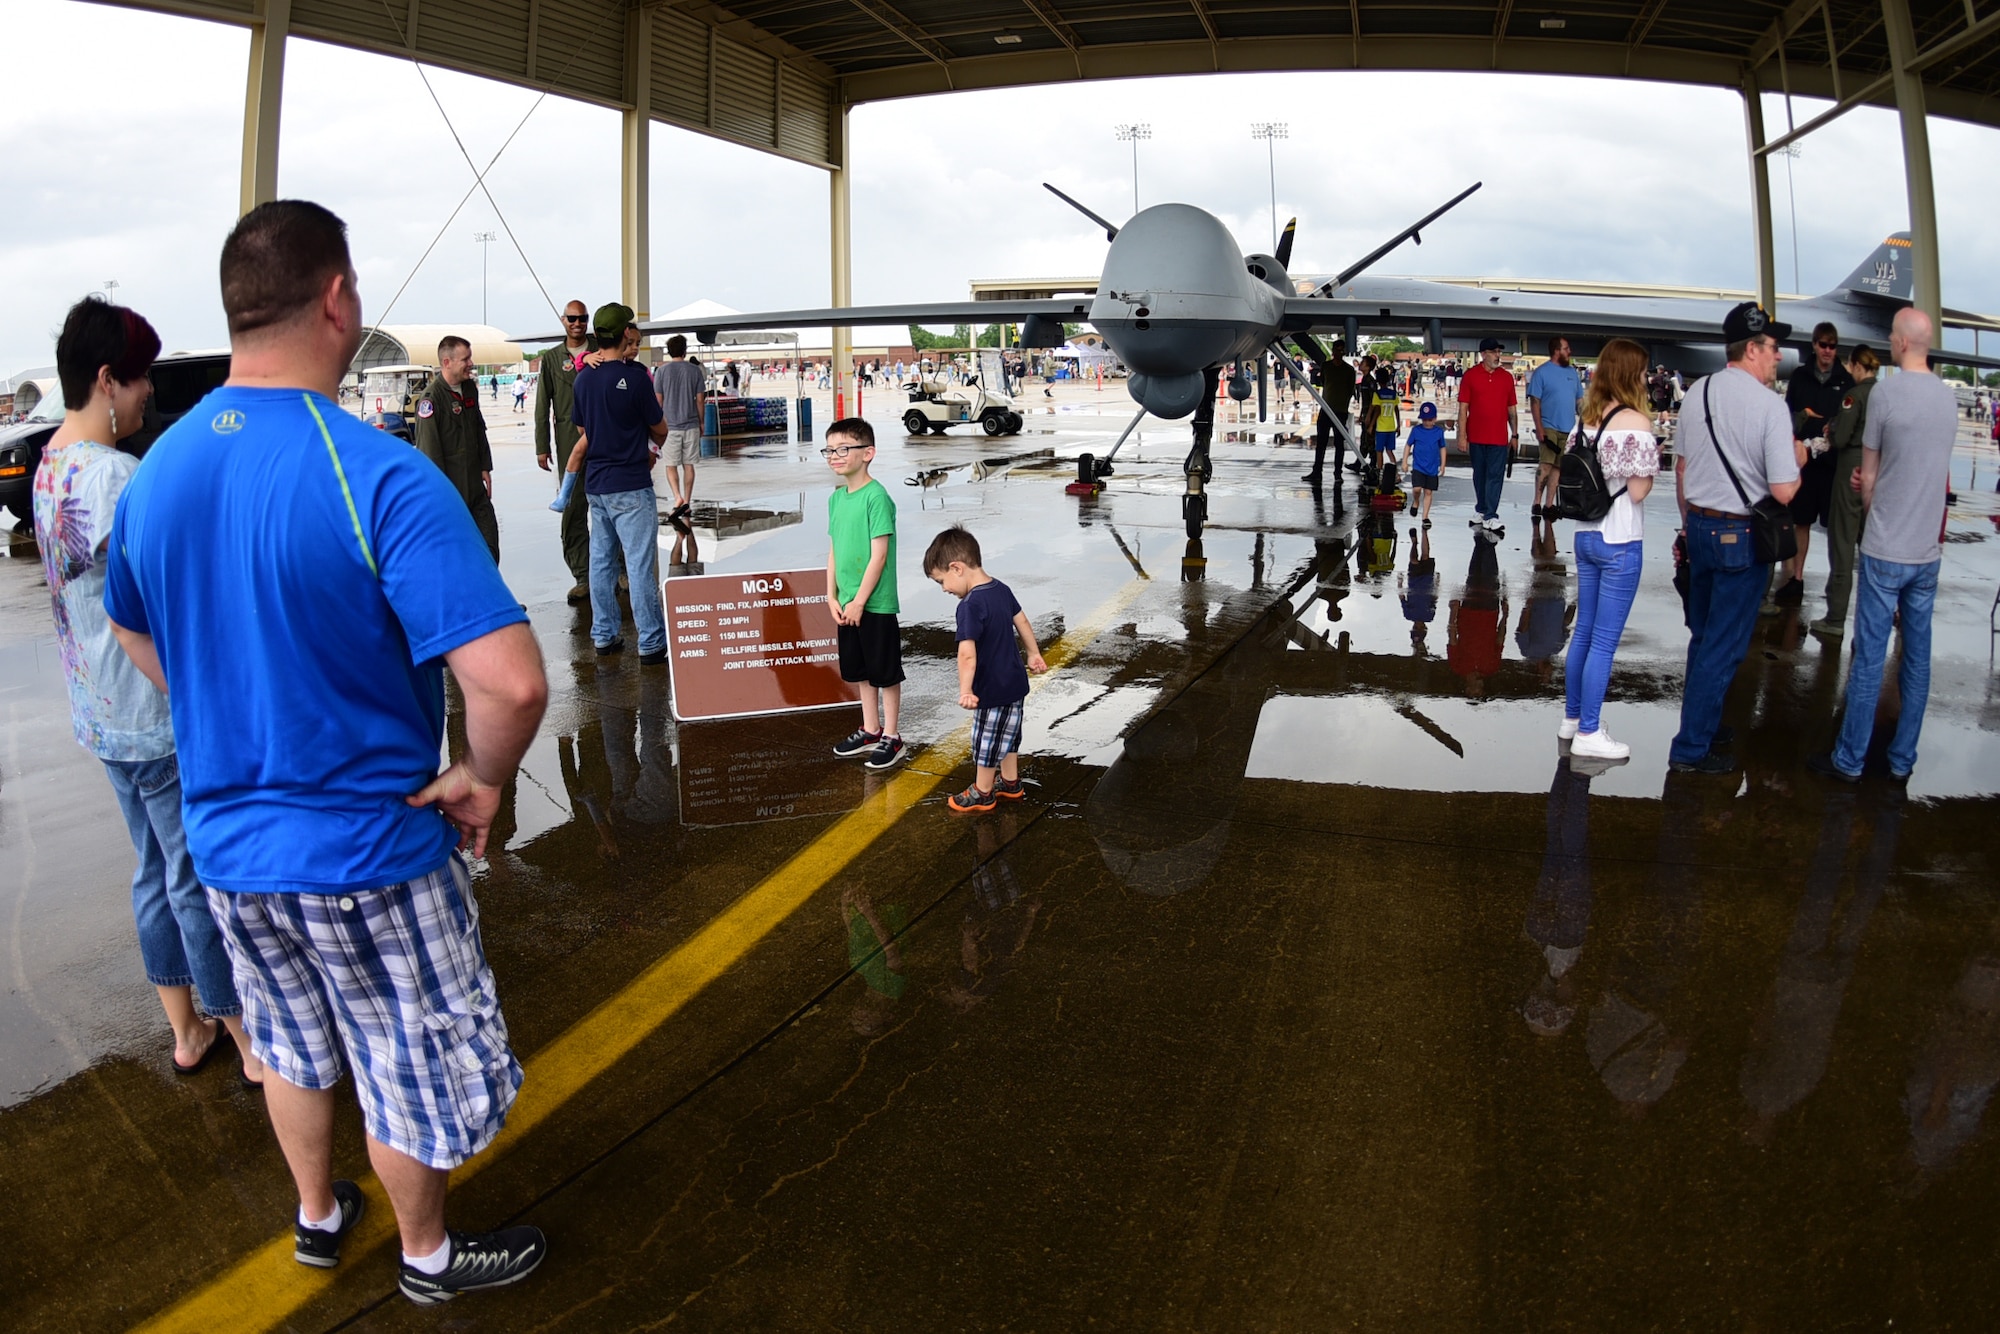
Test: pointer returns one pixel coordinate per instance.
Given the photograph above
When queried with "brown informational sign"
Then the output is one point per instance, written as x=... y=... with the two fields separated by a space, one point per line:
x=743 y=644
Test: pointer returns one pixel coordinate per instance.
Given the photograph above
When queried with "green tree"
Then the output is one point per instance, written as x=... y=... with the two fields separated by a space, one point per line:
x=1385 y=348
x=924 y=340
x=1963 y=374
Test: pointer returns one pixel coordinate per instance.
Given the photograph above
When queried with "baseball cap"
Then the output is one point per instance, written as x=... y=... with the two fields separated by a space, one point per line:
x=610 y=320
x=1750 y=320
x=1491 y=345
x=1427 y=412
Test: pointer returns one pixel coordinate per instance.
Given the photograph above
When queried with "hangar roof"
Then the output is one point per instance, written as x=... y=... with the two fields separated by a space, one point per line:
x=772 y=74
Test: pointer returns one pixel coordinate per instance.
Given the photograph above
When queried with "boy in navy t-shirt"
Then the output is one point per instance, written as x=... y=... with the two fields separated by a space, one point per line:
x=990 y=678
x=1423 y=460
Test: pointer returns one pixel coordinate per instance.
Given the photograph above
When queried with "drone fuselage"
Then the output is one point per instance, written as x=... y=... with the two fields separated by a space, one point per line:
x=1178 y=296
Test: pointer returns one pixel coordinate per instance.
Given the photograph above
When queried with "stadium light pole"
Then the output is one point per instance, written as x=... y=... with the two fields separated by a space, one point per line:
x=1132 y=134
x=1270 y=131
x=485 y=239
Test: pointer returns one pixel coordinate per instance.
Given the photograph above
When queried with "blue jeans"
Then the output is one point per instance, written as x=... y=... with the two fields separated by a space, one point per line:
x=630 y=519
x=1607 y=582
x=1489 y=469
x=1885 y=587
x=178 y=939
x=1725 y=586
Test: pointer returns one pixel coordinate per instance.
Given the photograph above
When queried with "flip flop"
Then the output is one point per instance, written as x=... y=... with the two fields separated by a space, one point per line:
x=203 y=1059
x=254 y=1085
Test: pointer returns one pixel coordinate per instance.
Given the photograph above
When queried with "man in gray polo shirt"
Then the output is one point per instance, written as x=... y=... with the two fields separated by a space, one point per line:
x=679 y=385
x=1905 y=469
x=1735 y=411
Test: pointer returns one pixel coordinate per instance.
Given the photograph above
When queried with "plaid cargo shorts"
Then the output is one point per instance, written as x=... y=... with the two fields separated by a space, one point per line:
x=398 y=978
x=996 y=733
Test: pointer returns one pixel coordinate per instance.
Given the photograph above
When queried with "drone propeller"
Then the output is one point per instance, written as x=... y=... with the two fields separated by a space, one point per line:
x=1408 y=233
x=1110 y=229
x=1284 y=256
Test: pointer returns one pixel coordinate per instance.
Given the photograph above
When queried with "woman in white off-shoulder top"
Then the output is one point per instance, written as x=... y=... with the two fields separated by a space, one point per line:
x=1609 y=551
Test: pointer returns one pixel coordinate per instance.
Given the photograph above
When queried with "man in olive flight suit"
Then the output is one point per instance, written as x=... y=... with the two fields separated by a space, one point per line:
x=452 y=434
x=555 y=382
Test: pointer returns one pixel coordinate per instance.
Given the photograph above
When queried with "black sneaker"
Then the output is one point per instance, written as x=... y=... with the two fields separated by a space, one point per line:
x=1791 y=593
x=478 y=1260
x=1715 y=762
x=1823 y=765
x=888 y=753
x=657 y=658
x=615 y=646
x=321 y=1250
x=856 y=743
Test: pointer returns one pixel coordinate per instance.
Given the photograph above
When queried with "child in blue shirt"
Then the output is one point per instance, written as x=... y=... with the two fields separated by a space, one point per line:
x=990 y=679
x=1423 y=460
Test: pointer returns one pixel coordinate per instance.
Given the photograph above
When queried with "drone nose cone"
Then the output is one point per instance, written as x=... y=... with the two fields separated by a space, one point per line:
x=1174 y=248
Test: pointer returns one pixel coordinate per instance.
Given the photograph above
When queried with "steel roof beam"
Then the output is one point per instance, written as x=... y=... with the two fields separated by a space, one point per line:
x=1054 y=22
x=899 y=26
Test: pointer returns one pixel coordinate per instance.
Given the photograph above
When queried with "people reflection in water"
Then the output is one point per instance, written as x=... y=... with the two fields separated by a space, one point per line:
x=999 y=917
x=685 y=558
x=1375 y=555
x=1559 y=915
x=1956 y=1069
x=1478 y=621
x=1794 y=1028
x=875 y=952
x=1635 y=1035
x=1549 y=611
x=1419 y=591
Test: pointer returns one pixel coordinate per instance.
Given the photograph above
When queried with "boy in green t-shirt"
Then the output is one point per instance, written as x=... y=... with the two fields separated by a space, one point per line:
x=861 y=591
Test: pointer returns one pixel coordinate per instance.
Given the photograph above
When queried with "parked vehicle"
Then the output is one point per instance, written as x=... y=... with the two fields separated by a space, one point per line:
x=937 y=406
x=180 y=380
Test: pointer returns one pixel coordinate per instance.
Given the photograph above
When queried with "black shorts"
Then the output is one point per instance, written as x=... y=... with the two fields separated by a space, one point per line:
x=873 y=650
x=1424 y=481
x=1813 y=501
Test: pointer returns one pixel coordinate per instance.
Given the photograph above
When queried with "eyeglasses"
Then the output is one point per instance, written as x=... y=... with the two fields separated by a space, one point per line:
x=839 y=451
x=1831 y=347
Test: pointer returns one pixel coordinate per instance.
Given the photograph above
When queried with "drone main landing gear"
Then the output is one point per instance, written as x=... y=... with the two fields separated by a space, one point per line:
x=1198 y=467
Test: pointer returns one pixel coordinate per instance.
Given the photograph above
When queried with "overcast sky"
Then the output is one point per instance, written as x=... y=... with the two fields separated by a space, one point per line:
x=123 y=132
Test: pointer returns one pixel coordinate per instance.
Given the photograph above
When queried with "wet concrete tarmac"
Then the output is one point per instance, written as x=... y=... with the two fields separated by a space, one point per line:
x=1311 y=987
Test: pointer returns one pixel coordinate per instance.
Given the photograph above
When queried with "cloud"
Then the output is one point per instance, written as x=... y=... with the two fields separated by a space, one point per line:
x=135 y=179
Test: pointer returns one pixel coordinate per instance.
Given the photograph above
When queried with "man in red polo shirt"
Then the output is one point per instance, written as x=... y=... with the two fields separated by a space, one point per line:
x=1488 y=426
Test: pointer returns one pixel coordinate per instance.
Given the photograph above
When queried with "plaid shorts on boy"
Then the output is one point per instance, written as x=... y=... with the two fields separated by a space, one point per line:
x=996 y=733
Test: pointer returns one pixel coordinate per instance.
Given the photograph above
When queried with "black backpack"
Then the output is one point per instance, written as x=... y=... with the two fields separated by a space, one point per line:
x=1580 y=489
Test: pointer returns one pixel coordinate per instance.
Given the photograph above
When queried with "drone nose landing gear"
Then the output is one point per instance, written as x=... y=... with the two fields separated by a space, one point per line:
x=1198 y=466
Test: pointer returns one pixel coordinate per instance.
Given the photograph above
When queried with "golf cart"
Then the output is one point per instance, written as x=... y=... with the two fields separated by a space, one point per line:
x=936 y=406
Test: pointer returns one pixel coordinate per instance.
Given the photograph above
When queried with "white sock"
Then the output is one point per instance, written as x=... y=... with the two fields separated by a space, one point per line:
x=434 y=1263
x=331 y=1223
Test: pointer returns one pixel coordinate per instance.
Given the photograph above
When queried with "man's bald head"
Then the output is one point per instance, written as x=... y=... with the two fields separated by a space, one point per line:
x=1913 y=326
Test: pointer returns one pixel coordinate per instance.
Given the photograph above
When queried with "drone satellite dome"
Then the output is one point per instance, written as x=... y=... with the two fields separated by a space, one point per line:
x=1169 y=397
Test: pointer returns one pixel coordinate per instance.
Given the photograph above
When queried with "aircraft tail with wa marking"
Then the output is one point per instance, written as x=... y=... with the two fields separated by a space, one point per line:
x=1886 y=273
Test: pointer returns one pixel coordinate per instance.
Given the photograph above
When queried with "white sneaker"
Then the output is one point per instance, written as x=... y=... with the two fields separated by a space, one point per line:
x=1567 y=730
x=1598 y=745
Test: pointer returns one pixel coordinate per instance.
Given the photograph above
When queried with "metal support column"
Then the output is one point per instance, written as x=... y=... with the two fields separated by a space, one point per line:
x=263 y=94
x=1760 y=193
x=635 y=269
x=841 y=233
x=1927 y=287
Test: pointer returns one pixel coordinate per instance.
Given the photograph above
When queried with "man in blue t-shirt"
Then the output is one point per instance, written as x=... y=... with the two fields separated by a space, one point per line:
x=304 y=638
x=1553 y=392
x=614 y=406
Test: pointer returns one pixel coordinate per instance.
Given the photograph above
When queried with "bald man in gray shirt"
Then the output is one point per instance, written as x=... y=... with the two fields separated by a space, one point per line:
x=1904 y=473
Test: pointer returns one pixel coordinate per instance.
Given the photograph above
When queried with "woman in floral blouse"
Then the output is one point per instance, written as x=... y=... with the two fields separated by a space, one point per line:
x=1610 y=550
x=103 y=357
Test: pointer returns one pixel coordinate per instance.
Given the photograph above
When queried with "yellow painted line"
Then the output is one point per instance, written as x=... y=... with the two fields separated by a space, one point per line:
x=265 y=1287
